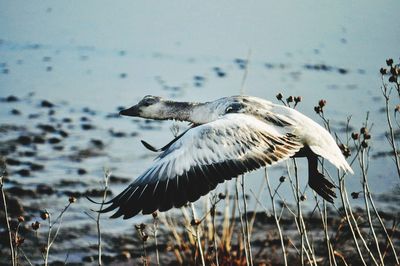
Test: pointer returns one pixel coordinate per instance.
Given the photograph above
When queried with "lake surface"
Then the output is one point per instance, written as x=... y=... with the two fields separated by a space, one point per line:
x=90 y=58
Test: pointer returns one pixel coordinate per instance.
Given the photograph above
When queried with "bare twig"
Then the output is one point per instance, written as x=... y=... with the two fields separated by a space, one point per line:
x=272 y=196
x=246 y=220
x=6 y=218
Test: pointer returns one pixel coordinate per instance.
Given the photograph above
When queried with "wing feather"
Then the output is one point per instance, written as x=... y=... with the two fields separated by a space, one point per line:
x=202 y=158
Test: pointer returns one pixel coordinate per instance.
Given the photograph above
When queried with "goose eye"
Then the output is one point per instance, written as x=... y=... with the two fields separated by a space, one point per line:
x=234 y=108
x=148 y=102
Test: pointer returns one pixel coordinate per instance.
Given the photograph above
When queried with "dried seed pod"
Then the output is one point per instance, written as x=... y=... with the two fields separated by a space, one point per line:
x=393 y=79
x=363 y=130
x=35 y=225
x=194 y=222
x=44 y=215
x=297 y=99
x=364 y=144
x=322 y=103
x=355 y=135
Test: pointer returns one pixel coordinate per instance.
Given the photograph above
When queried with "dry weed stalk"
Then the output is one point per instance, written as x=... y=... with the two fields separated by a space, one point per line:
x=13 y=259
x=106 y=178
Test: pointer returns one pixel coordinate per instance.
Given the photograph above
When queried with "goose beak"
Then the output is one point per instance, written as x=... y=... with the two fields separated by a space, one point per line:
x=132 y=111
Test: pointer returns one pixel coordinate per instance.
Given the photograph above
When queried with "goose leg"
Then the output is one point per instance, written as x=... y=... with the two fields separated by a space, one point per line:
x=317 y=180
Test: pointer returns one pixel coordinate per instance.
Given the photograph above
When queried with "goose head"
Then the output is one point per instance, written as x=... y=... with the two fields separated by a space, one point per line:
x=149 y=107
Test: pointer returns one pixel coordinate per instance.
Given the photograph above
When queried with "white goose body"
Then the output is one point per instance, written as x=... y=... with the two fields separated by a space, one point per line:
x=230 y=136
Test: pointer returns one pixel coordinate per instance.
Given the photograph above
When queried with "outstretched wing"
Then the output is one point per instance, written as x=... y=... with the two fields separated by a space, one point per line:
x=200 y=159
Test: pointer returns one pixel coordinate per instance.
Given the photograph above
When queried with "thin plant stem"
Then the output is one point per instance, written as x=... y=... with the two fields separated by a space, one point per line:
x=347 y=216
x=7 y=222
x=50 y=238
x=297 y=218
x=107 y=175
x=392 y=139
x=214 y=234
x=155 y=226
x=242 y=226
x=272 y=196
x=47 y=250
x=382 y=224
x=194 y=216
x=358 y=228
x=246 y=220
x=367 y=208
x=26 y=258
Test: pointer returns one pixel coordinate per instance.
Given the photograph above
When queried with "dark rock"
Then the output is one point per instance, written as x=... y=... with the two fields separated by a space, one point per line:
x=64 y=183
x=51 y=112
x=81 y=171
x=14 y=205
x=44 y=189
x=27 y=154
x=15 y=112
x=63 y=133
x=88 y=111
x=36 y=167
x=11 y=161
x=24 y=172
x=54 y=140
x=118 y=179
x=58 y=148
x=97 y=143
x=47 y=128
x=21 y=192
x=33 y=116
x=87 y=126
x=24 y=140
x=11 y=98
x=38 y=140
x=46 y=104
x=75 y=194
x=96 y=193
x=117 y=134
x=67 y=120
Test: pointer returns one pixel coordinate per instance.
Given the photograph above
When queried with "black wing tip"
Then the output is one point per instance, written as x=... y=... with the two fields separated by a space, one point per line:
x=93 y=201
x=149 y=146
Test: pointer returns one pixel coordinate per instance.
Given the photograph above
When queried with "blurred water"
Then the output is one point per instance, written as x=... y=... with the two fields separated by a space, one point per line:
x=100 y=55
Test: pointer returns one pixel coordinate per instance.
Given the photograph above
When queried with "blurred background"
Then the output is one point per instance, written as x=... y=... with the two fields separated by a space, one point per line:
x=66 y=68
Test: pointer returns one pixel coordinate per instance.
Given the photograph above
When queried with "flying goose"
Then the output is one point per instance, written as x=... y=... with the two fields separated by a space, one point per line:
x=229 y=137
